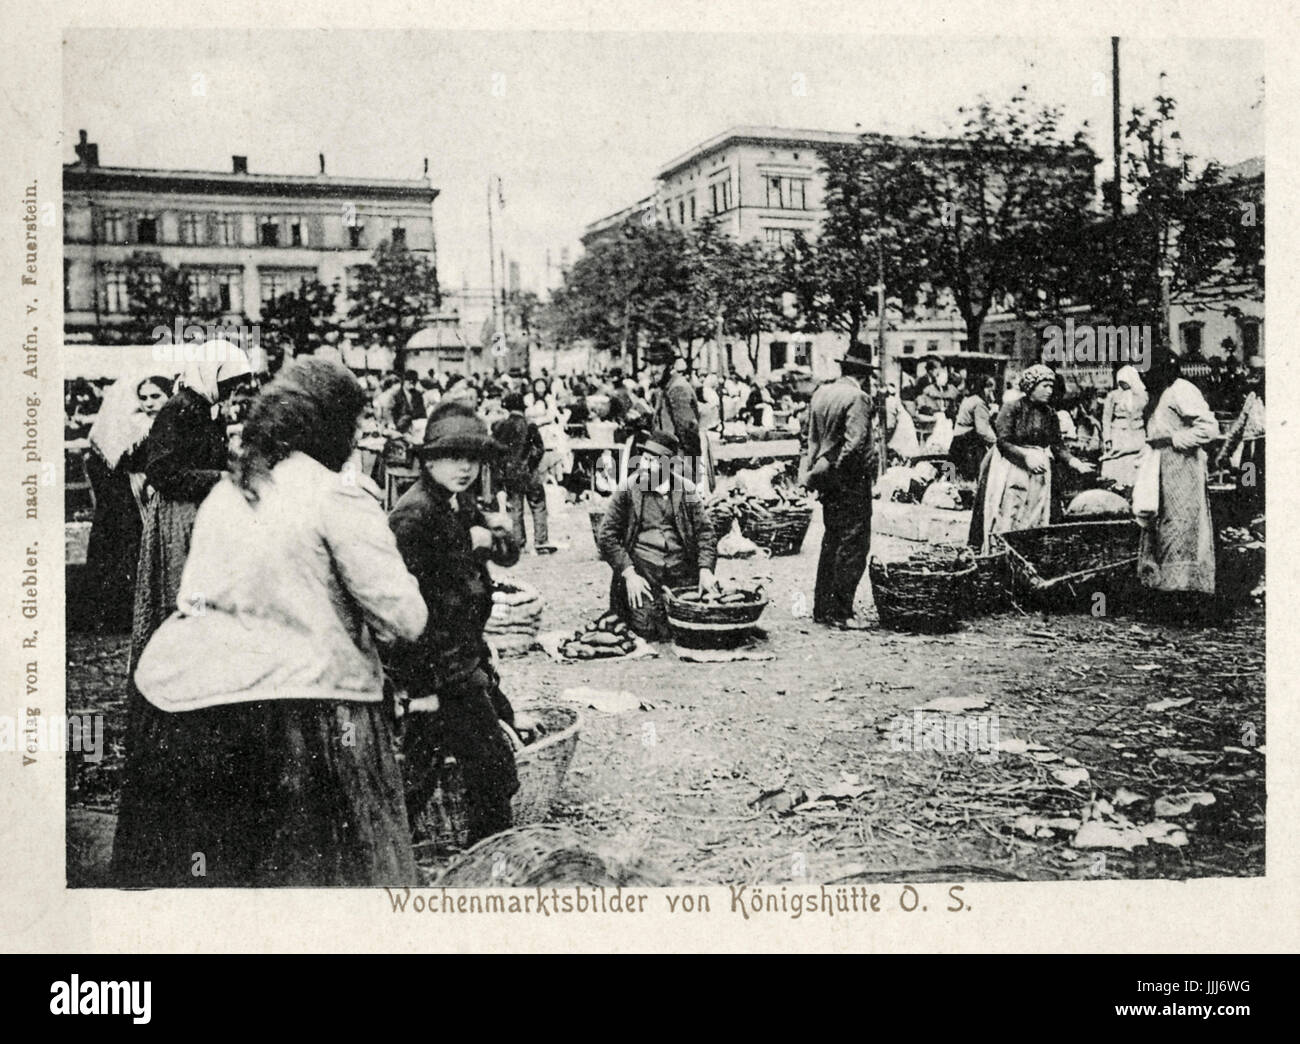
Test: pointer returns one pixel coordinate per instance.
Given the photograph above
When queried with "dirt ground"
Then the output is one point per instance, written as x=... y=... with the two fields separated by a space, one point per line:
x=787 y=769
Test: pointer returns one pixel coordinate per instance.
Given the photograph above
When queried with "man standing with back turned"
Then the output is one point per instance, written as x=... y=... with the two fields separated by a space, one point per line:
x=838 y=465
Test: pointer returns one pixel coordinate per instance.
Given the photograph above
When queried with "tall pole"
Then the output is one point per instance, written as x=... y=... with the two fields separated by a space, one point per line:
x=1117 y=195
x=492 y=264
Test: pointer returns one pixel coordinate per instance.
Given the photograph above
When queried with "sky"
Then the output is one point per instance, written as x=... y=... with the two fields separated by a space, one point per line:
x=575 y=124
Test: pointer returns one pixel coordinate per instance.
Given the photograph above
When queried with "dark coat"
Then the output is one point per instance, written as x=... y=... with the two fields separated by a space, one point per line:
x=838 y=458
x=678 y=412
x=185 y=453
x=435 y=544
x=622 y=522
x=522 y=450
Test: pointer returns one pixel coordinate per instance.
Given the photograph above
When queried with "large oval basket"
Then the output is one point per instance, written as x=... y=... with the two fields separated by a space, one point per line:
x=698 y=625
x=780 y=530
x=911 y=599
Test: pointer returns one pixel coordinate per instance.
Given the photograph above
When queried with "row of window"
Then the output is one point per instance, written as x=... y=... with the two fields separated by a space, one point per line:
x=219 y=287
x=227 y=229
x=783 y=193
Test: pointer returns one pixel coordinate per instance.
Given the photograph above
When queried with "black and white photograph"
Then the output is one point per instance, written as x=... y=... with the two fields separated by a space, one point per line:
x=662 y=459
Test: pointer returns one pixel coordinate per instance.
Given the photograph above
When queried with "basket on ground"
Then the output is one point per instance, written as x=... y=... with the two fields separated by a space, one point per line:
x=712 y=625
x=516 y=618
x=440 y=827
x=1072 y=559
x=990 y=585
x=921 y=596
x=779 y=528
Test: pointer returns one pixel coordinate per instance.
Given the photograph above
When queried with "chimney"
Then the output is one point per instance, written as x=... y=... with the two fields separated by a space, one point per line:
x=87 y=151
x=240 y=164
x=322 y=162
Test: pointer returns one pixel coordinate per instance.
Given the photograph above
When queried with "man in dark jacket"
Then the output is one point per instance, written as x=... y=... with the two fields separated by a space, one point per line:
x=838 y=463
x=656 y=534
x=516 y=471
x=446 y=542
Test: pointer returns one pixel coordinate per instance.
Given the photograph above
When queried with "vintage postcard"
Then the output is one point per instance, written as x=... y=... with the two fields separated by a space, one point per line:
x=740 y=479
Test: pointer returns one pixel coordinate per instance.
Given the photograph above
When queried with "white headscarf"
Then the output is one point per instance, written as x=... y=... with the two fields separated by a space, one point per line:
x=1137 y=393
x=120 y=426
x=219 y=360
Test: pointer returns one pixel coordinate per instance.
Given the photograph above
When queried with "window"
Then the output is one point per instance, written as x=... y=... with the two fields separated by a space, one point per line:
x=399 y=237
x=114 y=226
x=692 y=207
x=230 y=290
x=681 y=212
x=778 y=354
x=1190 y=334
x=298 y=231
x=356 y=236
x=1008 y=340
x=932 y=347
x=274 y=283
x=225 y=229
x=786 y=193
x=146 y=228
x=779 y=237
x=269 y=232
x=67 y=285
x=1249 y=329
x=199 y=283
x=116 y=299
x=720 y=195
x=192 y=229
x=909 y=347
x=803 y=353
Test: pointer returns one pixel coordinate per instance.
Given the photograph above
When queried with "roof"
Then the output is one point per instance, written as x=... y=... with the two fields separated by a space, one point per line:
x=80 y=177
x=1246 y=169
x=743 y=132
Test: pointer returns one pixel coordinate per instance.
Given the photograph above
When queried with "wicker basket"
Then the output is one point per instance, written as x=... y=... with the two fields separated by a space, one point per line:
x=909 y=598
x=699 y=625
x=780 y=530
x=990 y=585
x=1072 y=559
x=441 y=827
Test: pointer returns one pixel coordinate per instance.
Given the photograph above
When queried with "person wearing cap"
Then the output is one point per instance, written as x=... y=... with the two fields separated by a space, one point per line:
x=656 y=534
x=838 y=464
x=1015 y=486
x=446 y=543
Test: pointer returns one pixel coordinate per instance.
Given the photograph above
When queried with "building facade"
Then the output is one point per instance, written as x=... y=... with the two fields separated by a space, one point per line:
x=239 y=238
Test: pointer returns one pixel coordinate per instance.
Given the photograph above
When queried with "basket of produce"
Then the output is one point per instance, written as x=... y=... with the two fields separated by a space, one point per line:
x=516 y=618
x=542 y=758
x=607 y=637
x=926 y=592
x=779 y=528
x=714 y=620
x=1072 y=558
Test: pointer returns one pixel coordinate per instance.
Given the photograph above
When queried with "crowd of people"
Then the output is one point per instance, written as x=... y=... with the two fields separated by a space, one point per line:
x=282 y=623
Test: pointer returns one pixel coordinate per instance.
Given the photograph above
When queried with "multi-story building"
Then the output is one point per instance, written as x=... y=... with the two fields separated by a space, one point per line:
x=240 y=238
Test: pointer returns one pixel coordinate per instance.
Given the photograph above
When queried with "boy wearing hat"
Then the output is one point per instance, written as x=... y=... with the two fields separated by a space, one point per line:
x=446 y=542
x=656 y=534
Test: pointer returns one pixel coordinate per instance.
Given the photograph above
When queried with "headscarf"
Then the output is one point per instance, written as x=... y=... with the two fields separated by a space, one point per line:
x=219 y=360
x=1137 y=393
x=120 y=426
x=1034 y=375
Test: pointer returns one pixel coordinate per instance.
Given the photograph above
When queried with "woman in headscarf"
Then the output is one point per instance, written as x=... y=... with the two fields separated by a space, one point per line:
x=270 y=751
x=1123 y=430
x=116 y=471
x=1015 y=489
x=1170 y=499
x=972 y=432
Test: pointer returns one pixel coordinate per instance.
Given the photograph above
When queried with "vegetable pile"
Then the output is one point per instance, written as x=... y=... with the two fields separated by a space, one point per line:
x=607 y=636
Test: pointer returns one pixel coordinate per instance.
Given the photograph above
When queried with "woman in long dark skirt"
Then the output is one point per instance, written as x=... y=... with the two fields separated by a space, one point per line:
x=115 y=467
x=271 y=756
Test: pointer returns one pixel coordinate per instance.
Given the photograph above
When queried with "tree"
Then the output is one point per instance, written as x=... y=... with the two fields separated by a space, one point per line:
x=303 y=319
x=752 y=284
x=395 y=294
x=996 y=201
x=872 y=196
x=159 y=295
